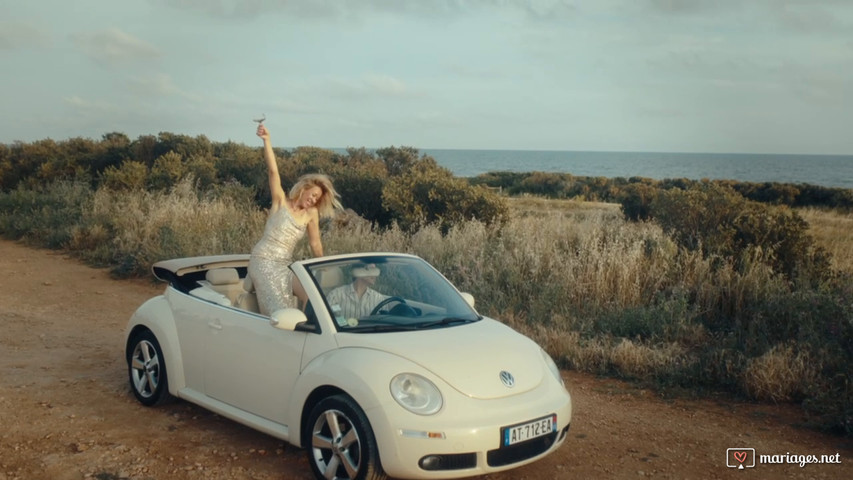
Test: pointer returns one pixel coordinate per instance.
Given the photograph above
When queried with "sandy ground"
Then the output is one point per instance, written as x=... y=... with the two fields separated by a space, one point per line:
x=66 y=411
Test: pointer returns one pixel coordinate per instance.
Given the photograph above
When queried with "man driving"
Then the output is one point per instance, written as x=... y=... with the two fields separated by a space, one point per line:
x=356 y=299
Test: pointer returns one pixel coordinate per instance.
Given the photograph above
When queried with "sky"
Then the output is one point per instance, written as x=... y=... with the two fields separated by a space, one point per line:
x=727 y=76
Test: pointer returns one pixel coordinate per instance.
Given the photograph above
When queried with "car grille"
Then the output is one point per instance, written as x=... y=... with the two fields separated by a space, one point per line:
x=516 y=453
x=495 y=458
x=457 y=461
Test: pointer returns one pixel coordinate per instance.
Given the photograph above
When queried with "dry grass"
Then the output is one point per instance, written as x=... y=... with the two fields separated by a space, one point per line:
x=528 y=205
x=832 y=231
x=606 y=354
x=135 y=229
x=781 y=374
x=552 y=264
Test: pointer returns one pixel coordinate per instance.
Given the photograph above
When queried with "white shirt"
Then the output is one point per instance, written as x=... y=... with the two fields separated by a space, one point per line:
x=344 y=301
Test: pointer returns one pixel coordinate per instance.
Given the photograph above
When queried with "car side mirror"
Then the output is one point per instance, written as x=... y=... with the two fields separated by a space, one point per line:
x=468 y=298
x=287 y=318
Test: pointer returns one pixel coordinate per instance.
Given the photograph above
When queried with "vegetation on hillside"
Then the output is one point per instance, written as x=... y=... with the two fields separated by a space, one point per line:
x=682 y=284
x=392 y=184
x=636 y=193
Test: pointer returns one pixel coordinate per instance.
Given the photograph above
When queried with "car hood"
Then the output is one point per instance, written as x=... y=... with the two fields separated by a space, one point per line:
x=471 y=357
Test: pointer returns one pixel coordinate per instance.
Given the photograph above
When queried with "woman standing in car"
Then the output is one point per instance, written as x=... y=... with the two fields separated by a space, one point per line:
x=291 y=215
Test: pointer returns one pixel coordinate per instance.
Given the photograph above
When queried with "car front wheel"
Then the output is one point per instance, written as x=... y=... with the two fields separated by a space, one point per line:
x=340 y=442
x=147 y=369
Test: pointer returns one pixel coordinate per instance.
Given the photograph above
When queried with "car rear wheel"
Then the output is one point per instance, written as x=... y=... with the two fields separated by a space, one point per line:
x=340 y=442
x=147 y=370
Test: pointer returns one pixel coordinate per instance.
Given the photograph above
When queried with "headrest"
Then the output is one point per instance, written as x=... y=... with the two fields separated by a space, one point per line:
x=222 y=276
x=330 y=277
x=368 y=270
x=247 y=284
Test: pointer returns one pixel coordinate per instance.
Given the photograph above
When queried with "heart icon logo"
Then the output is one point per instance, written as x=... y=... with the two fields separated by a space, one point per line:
x=740 y=458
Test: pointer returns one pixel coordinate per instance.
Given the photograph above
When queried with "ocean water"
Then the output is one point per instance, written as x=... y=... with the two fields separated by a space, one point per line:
x=823 y=170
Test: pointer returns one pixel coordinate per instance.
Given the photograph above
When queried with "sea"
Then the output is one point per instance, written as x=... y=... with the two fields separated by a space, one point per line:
x=822 y=170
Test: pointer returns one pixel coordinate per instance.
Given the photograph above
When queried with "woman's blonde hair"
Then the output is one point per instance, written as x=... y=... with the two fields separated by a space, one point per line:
x=328 y=202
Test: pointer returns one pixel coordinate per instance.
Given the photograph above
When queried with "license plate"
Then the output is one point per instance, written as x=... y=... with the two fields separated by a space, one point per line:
x=529 y=430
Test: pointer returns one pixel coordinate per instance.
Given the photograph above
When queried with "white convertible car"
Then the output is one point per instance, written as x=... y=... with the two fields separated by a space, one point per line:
x=416 y=385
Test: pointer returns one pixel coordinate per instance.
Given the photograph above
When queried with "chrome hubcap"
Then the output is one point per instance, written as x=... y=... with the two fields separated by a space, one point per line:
x=145 y=369
x=335 y=445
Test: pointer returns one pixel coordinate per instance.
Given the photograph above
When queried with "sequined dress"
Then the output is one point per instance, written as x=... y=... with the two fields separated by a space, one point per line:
x=271 y=259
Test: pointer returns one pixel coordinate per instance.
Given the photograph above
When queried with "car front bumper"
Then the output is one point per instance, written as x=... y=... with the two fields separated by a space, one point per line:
x=465 y=439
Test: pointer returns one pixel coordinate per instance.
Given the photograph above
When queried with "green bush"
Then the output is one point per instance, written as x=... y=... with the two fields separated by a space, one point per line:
x=718 y=221
x=47 y=216
x=398 y=160
x=427 y=194
x=768 y=192
x=551 y=185
x=637 y=201
x=307 y=160
x=237 y=163
x=168 y=169
x=203 y=170
x=360 y=185
x=664 y=319
x=130 y=176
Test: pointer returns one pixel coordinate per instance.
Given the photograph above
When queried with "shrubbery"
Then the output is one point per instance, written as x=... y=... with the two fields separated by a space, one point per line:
x=637 y=200
x=719 y=222
x=428 y=194
x=635 y=192
x=369 y=182
x=45 y=216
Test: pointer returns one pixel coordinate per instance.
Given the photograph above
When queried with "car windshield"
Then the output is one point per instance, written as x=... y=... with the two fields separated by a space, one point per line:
x=388 y=294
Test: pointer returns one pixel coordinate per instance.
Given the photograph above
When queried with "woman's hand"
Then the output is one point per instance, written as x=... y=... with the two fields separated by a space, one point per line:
x=263 y=132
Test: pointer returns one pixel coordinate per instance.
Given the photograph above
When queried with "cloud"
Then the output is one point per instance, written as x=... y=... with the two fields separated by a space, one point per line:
x=800 y=16
x=546 y=10
x=90 y=106
x=475 y=72
x=21 y=35
x=113 y=47
x=374 y=85
x=688 y=6
x=386 y=85
x=235 y=9
x=808 y=18
x=293 y=107
x=160 y=85
x=330 y=9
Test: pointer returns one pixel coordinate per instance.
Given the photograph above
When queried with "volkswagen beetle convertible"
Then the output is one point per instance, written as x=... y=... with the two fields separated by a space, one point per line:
x=407 y=380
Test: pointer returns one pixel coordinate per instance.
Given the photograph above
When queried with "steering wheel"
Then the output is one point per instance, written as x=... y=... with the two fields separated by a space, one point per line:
x=386 y=302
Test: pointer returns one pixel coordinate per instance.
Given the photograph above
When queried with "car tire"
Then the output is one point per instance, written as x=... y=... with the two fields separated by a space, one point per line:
x=146 y=369
x=338 y=436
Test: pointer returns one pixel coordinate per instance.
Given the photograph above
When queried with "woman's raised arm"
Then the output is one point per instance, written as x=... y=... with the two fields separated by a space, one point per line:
x=276 y=191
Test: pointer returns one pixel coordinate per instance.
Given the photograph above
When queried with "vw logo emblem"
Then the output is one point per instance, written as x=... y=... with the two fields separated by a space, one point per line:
x=507 y=379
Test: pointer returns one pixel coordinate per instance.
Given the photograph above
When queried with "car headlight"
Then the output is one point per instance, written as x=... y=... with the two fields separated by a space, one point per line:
x=416 y=394
x=552 y=366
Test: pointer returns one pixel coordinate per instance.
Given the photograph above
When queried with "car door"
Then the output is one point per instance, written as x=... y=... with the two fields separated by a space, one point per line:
x=192 y=316
x=250 y=364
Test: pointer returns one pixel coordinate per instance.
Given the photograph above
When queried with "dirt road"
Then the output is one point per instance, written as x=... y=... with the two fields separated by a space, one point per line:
x=66 y=411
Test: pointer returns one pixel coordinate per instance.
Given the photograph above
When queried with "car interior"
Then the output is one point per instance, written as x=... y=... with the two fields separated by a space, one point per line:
x=225 y=286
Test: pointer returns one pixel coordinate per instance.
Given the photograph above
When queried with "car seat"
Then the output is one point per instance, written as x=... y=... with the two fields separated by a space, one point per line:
x=248 y=300
x=225 y=281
